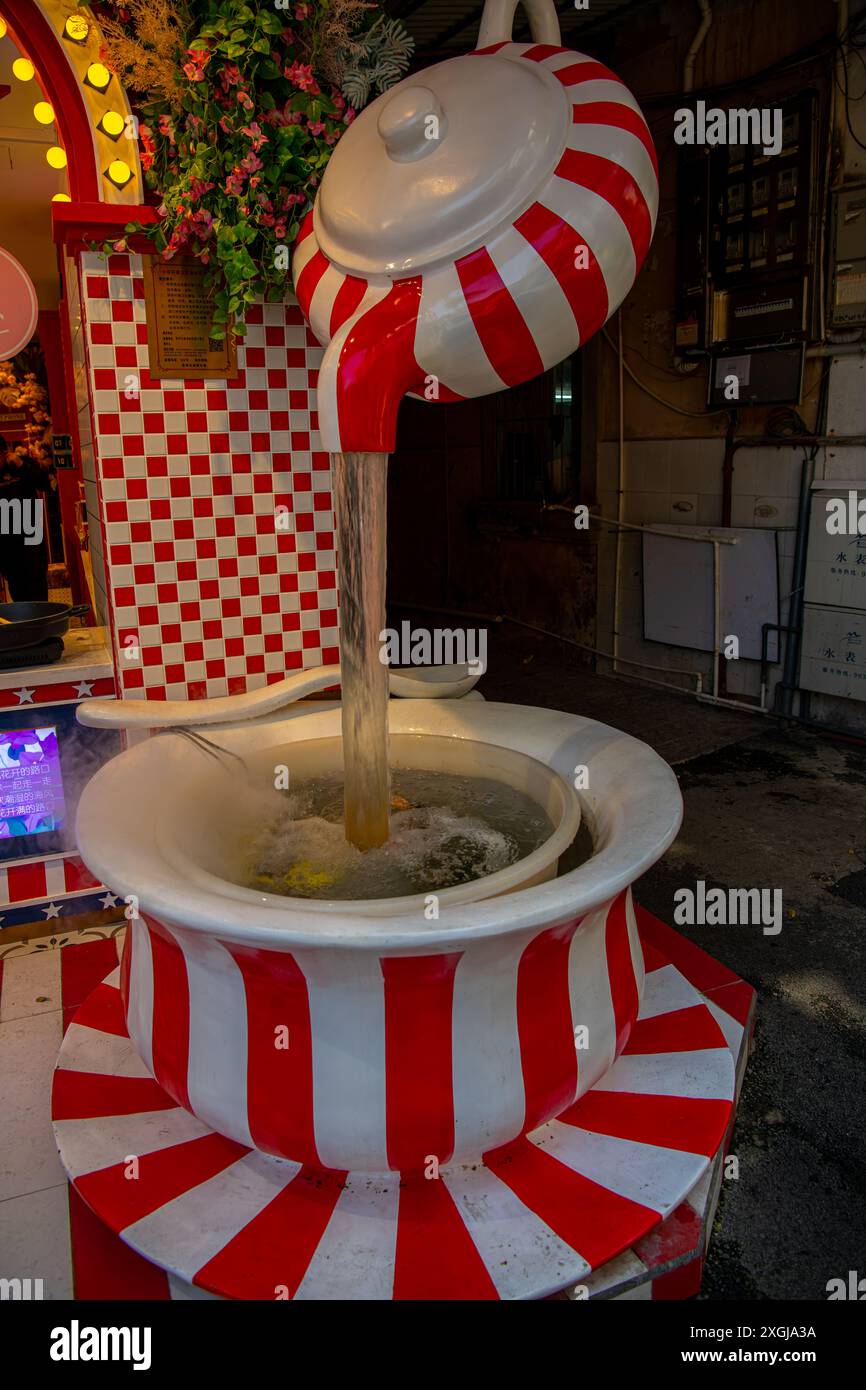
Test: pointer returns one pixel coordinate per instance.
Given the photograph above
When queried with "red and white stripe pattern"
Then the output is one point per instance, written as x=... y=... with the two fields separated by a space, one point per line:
x=34 y=879
x=533 y=1218
x=511 y=309
x=385 y=1060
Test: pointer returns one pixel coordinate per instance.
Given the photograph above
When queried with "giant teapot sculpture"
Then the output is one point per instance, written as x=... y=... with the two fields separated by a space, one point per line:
x=475 y=225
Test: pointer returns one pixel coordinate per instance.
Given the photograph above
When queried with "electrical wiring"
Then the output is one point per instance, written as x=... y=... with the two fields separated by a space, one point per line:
x=656 y=366
x=785 y=423
x=818 y=384
x=853 y=40
x=669 y=405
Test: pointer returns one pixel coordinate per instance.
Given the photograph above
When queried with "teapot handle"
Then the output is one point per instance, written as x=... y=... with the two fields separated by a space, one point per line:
x=498 y=19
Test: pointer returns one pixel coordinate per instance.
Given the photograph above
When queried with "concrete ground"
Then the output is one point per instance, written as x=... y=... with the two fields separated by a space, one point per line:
x=765 y=807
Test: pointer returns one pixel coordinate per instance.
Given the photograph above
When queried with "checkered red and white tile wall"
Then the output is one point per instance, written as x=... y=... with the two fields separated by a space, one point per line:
x=216 y=501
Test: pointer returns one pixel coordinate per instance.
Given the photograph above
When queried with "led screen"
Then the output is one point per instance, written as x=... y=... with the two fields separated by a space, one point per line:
x=31 y=787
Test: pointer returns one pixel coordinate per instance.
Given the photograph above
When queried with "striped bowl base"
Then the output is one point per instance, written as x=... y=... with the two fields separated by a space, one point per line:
x=532 y=1219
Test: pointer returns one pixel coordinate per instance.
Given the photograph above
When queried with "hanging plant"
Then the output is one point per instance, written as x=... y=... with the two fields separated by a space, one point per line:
x=240 y=109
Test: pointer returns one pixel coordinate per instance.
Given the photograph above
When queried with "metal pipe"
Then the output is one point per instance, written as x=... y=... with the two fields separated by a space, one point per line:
x=635 y=526
x=795 y=441
x=841 y=85
x=731 y=704
x=788 y=683
x=697 y=44
x=766 y=629
x=837 y=350
x=728 y=470
x=717 y=617
x=619 y=492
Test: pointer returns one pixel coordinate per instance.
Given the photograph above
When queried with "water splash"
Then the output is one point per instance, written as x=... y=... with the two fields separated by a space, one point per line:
x=448 y=830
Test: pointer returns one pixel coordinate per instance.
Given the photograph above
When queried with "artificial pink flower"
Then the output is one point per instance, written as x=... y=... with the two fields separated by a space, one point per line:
x=255 y=134
x=230 y=76
x=301 y=76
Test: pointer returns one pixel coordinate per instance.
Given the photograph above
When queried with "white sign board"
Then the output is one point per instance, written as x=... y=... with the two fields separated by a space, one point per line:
x=836 y=564
x=833 y=655
x=678 y=594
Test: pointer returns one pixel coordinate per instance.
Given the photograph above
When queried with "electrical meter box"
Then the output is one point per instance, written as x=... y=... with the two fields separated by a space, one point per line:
x=833 y=650
x=848 y=266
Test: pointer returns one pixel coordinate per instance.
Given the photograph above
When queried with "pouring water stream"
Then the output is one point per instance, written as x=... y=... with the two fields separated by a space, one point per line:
x=360 y=504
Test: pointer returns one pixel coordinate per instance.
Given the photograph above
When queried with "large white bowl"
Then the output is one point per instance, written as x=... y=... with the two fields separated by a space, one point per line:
x=404 y=1037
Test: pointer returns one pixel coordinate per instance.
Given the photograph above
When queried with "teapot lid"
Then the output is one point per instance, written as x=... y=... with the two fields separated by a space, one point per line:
x=432 y=166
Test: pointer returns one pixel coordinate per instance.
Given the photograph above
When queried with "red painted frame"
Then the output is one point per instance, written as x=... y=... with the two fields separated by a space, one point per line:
x=34 y=35
x=76 y=225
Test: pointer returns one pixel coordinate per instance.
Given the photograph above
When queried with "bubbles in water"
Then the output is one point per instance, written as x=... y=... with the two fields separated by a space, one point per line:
x=448 y=830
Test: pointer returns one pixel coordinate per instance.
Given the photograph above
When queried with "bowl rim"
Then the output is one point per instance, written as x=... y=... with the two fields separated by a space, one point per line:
x=633 y=808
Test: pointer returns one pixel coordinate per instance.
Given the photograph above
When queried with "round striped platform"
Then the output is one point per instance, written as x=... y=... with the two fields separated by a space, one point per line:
x=530 y=1220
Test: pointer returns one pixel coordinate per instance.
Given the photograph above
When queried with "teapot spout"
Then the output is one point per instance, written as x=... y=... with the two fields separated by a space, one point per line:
x=368 y=366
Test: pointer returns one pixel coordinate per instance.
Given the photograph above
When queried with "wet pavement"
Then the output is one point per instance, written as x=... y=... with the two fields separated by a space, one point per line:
x=765 y=807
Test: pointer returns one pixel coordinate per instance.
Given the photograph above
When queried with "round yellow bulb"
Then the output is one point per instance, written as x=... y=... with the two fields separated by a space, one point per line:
x=56 y=157
x=3 y=27
x=61 y=198
x=77 y=28
x=44 y=112
x=98 y=75
x=23 y=69
x=119 y=171
x=112 y=123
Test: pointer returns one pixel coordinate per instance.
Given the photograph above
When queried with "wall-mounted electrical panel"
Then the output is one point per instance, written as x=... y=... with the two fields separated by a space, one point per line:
x=768 y=375
x=848 y=259
x=747 y=238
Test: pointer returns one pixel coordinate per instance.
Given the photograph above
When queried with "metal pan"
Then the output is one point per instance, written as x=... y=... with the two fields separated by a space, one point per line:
x=28 y=624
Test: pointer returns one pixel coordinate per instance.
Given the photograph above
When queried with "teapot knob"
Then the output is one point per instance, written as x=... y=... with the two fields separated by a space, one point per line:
x=412 y=124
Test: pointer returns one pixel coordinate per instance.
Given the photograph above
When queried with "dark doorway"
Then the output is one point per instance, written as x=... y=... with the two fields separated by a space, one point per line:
x=469 y=491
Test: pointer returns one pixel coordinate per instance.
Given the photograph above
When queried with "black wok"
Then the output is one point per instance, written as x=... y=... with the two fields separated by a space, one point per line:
x=27 y=624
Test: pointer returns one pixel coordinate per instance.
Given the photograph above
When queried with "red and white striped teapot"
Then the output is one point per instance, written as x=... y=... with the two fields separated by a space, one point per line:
x=474 y=226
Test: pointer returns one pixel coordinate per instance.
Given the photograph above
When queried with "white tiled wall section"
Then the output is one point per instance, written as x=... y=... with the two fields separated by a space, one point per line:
x=679 y=482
